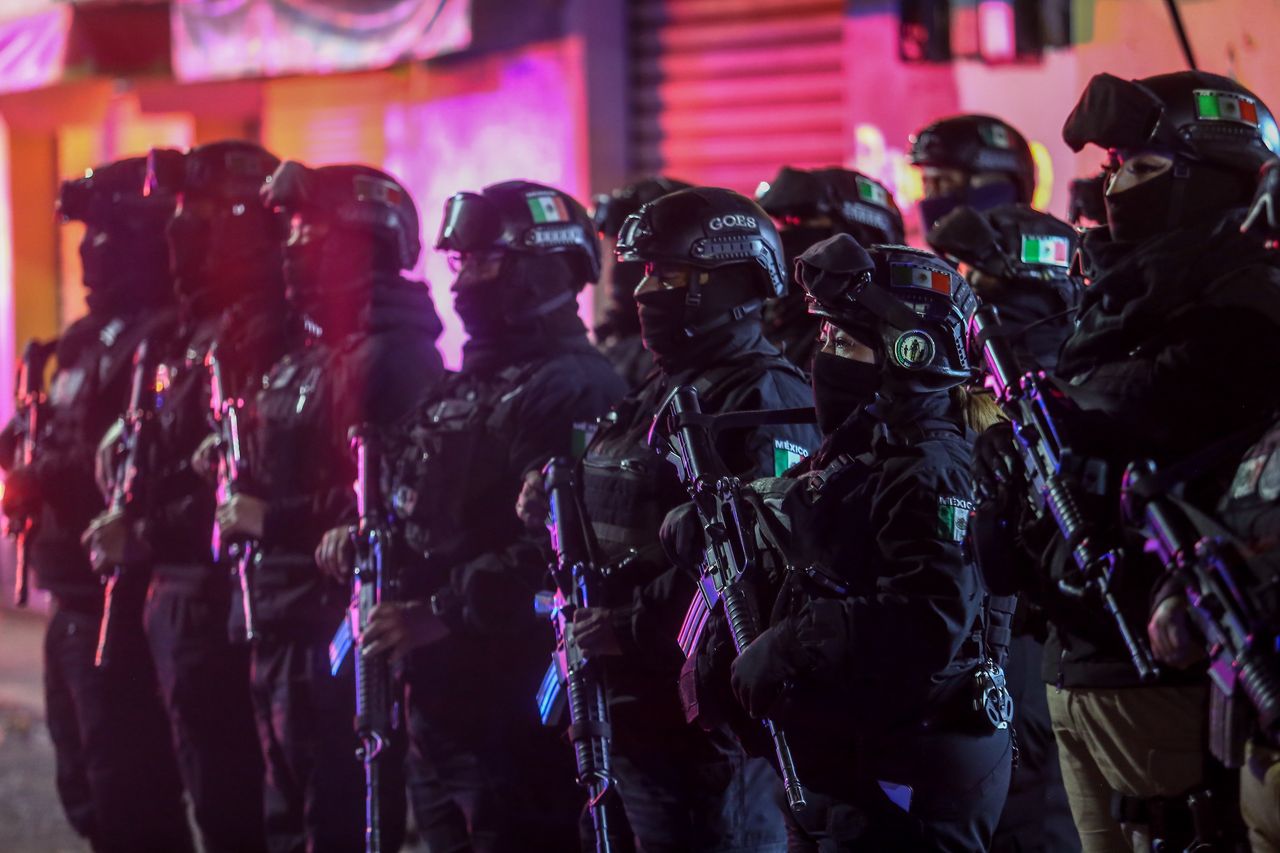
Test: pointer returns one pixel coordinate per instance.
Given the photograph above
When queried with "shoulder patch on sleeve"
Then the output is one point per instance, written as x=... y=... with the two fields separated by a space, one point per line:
x=786 y=454
x=953 y=517
x=1245 y=482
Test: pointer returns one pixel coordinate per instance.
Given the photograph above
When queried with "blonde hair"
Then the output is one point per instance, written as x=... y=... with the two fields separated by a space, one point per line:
x=978 y=407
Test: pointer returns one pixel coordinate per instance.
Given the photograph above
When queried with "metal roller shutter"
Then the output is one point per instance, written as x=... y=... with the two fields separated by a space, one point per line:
x=726 y=91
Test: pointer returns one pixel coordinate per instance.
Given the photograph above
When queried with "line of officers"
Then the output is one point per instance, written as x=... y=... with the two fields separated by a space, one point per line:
x=892 y=655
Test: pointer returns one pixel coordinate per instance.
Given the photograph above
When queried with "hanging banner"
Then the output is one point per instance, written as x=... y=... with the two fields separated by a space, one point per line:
x=221 y=39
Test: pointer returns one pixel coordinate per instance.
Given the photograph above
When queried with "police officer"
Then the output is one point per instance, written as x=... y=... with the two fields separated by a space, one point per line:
x=710 y=258
x=226 y=267
x=484 y=774
x=808 y=206
x=618 y=336
x=975 y=160
x=116 y=773
x=1019 y=260
x=881 y=644
x=367 y=355
x=1177 y=291
x=1249 y=512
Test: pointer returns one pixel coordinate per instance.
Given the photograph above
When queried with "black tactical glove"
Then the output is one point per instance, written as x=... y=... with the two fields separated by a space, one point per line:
x=682 y=538
x=761 y=672
x=21 y=493
x=997 y=465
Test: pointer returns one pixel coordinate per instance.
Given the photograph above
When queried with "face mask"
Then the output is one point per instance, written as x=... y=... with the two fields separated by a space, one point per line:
x=662 y=319
x=979 y=198
x=1150 y=208
x=840 y=387
x=1141 y=211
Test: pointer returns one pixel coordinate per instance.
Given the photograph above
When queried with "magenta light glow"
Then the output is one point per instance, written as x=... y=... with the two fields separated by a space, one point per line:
x=520 y=119
x=33 y=48
x=996 y=31
x=215 y=39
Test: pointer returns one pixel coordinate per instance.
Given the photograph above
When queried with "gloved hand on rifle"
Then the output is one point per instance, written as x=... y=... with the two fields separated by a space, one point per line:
x=682 y=538
x=532 y=506
x=400 y=627
x=790 y=651
x=113 y=540
x=242 y=517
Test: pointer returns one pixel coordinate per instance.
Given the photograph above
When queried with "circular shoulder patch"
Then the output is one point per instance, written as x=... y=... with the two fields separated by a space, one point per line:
x=913 y=350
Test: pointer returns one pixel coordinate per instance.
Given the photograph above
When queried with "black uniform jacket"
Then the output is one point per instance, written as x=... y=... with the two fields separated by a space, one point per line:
x=88 y=391
x=892 y=622
x=300 y=455
x=628 y=490
x=1174 y=349
x=452 y=481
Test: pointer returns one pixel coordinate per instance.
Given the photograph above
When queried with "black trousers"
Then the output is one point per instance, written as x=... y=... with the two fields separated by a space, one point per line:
x=117 y=777
x=1037 y=817
x=478 y=785
x=204 y=679
x=905 y=793
x=315 y=787
x=685 y=789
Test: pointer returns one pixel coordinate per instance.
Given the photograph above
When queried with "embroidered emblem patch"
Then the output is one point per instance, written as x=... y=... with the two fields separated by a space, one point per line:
x=1246 y=479
x=786 y=455
x=953 y=518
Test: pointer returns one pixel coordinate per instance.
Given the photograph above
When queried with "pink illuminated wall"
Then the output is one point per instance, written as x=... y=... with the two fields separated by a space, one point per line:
x=518 y=116
x=888 y=99
x=7 y=343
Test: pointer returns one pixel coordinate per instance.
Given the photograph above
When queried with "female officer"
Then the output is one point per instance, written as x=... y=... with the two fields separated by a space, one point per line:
x=879 y=663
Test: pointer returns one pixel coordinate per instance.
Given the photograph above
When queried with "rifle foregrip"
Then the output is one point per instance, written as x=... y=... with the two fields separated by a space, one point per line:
x=1260 y=679
x=589 y=719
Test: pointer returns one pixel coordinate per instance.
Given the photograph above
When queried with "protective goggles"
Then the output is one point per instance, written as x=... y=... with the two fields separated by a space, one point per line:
x=471 y=223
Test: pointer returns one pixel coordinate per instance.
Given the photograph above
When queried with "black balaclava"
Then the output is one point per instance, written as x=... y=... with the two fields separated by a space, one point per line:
x=840 y=387
x=218 y=256
x=1186 y=194
x=331 y=278
x=667 y=320
x=530 y=295
x=979 y=198
x=795 y=239
x=126 y=265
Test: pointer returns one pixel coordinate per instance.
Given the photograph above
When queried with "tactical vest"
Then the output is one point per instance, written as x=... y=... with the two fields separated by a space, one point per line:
x=450 y=469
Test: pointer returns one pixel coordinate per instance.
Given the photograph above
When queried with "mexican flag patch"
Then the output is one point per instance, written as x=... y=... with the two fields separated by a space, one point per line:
x=786 y=455
x=547 y=207
x=583 y=433
x=909 y=275
x=1213 y=105
x=995 y=135
x=953 y=518
x=1045 y=250
x=871 y=192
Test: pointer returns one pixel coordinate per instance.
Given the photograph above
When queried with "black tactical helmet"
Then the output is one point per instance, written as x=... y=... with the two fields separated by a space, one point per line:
x=857 y=204
x=1192 y=114
x=707 y=228
x=612 y=209
x=231 y=172
x=113 y=194
x=357 y=197
x=522 y=217
x=974 y=144
x=908 y=305
x=1012 y=241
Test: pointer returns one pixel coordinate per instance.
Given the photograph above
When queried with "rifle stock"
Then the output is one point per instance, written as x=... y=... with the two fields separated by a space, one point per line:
x=125 y=495
x=225 y=410
x=576 y=681
x=30 y=409
x=373 y=581
x=683 y=434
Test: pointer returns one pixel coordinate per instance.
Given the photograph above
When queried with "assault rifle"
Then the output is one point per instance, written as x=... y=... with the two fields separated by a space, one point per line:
x=1243 y=661
x=225 y=408
x=378 y=707
x=125 y=496
x=1053 y=478
x=683 y=434
x=29 y=408
x=573 y=679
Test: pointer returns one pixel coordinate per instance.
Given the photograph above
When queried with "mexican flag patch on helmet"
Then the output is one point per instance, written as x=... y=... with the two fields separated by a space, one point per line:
x=547 y=207
x=1212 y=105
x=1046 y=250
x=910 y=275
x=871 y=193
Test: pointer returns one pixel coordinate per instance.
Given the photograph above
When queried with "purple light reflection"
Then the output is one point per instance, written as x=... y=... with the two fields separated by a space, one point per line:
x=522 y=124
